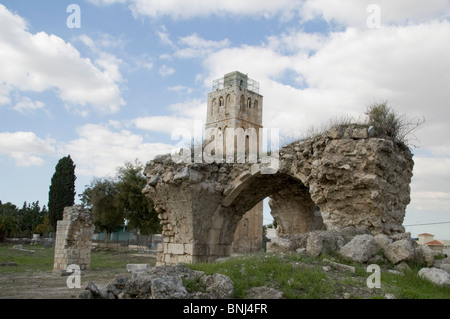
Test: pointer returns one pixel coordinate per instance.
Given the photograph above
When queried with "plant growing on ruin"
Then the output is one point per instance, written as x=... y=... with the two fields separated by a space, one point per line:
x=389 y=124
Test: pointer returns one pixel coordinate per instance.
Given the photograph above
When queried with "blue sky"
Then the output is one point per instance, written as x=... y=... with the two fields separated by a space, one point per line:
x=113 y=89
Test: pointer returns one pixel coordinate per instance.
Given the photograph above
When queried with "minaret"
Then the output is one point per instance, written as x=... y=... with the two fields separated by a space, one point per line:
x=235 y=102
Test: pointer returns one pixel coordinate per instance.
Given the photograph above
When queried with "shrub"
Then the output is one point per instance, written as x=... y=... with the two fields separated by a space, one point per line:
x=388 y=124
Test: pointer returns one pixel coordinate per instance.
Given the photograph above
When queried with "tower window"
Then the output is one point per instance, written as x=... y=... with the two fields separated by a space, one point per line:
x=242 y=104
x=213 y=108
x=221 y=102
x=228 y=104
x=249 y=102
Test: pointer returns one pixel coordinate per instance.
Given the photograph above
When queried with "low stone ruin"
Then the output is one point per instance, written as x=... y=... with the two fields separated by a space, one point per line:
x=163 y=282
x=359 y=245
x=73 y=239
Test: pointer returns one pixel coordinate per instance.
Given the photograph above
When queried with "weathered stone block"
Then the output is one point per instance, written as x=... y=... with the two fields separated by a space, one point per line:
x=177 y=249
x=73 y=239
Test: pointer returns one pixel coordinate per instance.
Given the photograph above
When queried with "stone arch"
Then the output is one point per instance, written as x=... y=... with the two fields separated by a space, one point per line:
x=353 y=180
x=290 y=200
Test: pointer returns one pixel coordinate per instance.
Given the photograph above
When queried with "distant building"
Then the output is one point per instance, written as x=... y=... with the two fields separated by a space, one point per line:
x=425 y=238
x=442 y=246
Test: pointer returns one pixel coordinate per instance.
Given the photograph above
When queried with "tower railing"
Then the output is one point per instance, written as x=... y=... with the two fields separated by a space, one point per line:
x=244 y=82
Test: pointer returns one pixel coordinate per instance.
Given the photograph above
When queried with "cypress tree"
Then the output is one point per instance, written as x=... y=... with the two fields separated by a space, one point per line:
x=62 y=189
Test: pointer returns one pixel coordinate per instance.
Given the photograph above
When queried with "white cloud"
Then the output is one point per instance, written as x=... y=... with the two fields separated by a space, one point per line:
x=185 y=115
x=26 y=105
x=181 y=9
x=344 y=72
x=430 y=195
x=144 y=62
x=24 y=147
x=164 y=36
x=38 y=62
x=344 y=12
x=162 y=124
x=180 y=89
x=193 y=46
x=101 y=148
x=164 y=70
x=106 y=2
x=355 y=12
x=194 y=109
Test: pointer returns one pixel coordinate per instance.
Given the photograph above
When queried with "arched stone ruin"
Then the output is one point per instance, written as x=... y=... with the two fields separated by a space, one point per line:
x=337 y=179
x=73 y=239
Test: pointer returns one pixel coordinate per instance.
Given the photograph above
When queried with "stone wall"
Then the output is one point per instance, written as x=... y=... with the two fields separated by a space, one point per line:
x=340 y=178
x=73 y=239
x=248 y=233
x=354 y=179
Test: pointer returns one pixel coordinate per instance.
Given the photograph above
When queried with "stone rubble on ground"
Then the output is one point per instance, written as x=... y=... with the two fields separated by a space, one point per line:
x=435 y=275
x=354 y=245
x=358 y=245
x=360 y=248
x=162 y=282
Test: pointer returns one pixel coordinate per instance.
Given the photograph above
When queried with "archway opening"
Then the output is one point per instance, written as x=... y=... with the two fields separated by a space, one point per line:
x=279 y=200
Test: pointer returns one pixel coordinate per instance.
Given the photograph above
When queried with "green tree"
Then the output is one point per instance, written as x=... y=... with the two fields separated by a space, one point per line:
x=112 y=201
x=62 y=189
x=28 y=217
x=138 y=209
x=44 y=227
x=9 y=225
x=101 y=198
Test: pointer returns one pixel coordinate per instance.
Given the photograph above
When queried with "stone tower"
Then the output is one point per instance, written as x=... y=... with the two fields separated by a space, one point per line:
x=235 y=102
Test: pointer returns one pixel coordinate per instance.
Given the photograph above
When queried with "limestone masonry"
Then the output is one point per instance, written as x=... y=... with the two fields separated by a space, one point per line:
x=235 y=102
x=340 y=178
x=73 y=239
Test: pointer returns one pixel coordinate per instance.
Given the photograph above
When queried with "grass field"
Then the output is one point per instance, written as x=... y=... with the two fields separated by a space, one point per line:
x=303 y=277
x=297 y=276
x=33 y=277
x=39 y=258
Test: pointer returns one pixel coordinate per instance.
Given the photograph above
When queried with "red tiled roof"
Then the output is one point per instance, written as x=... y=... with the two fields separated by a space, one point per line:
x=425 y=234
x=435 y=242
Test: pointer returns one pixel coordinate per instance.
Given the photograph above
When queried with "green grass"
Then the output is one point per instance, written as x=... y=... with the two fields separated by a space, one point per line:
x=297 y=276
x=42 y=259
x=282 y=273
x=301 y=277
x=411 y=286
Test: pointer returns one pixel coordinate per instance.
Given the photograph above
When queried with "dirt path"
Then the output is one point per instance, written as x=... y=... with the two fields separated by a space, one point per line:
x=47 y=285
